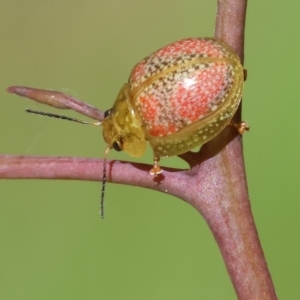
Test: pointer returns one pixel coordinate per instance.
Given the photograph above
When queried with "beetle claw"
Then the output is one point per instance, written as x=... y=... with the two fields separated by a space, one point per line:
x=241 y=127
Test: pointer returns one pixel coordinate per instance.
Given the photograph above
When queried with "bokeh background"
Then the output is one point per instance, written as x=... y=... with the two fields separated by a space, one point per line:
x=149 y=246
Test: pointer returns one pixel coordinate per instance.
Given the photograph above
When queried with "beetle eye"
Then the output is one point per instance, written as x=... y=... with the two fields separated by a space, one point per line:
x=116 y=146
x=107 y=113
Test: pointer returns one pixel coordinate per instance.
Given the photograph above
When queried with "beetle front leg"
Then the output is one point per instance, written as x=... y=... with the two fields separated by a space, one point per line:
x=156 y=168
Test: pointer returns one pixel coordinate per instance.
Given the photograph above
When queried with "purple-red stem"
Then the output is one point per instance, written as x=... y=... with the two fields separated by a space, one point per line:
x=227 y=210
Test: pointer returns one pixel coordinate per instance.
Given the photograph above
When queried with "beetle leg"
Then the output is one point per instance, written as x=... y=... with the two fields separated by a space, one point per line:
x=156 y=168
x=245 y=74
x=241 y=127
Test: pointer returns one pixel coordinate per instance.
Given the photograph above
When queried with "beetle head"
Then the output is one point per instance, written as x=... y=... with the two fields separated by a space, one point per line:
x=122 y=127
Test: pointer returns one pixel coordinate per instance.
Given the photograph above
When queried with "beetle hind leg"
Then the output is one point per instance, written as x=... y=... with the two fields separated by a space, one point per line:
x=241 y=127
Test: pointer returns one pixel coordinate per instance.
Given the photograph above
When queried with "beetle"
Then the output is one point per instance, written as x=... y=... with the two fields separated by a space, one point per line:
x=179 y=97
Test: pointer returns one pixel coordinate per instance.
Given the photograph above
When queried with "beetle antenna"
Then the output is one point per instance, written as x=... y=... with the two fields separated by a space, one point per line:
x=81 y=122
x=60 y=117
x=103 y=189
x=103 y=182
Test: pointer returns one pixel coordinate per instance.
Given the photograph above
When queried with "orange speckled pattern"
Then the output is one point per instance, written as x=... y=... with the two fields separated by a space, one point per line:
x=182 y=83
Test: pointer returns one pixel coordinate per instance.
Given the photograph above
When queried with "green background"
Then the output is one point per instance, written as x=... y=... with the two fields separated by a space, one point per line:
x=149 y=246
